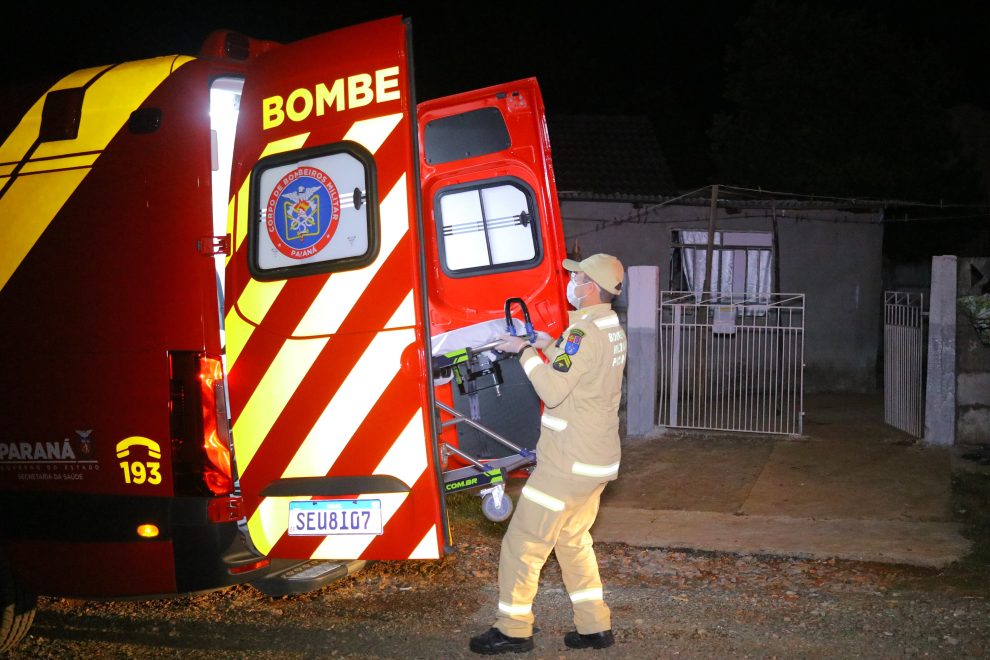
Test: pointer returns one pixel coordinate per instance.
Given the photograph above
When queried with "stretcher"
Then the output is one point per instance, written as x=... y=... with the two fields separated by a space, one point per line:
x=475 y=365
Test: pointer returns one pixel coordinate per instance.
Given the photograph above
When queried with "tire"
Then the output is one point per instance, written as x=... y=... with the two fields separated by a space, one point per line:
x=496 y=513
x=17 y=608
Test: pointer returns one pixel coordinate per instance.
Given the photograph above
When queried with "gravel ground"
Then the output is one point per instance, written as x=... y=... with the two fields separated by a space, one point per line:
x=664 y=603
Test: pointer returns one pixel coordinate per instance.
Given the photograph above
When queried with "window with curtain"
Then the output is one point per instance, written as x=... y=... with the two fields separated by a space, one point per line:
x=742 y=263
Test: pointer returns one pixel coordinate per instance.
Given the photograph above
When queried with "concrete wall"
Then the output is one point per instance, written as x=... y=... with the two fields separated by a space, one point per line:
x=972 y=361
x=832 y=257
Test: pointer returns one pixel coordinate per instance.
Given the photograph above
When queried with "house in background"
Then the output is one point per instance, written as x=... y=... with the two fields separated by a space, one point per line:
x=617 y=196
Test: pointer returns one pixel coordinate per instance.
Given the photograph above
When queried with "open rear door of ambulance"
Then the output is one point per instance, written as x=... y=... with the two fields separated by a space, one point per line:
x=494 y=245
x=325 y=328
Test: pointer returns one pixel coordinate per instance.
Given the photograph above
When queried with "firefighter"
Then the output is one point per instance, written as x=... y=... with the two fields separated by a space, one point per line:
x=577 y=455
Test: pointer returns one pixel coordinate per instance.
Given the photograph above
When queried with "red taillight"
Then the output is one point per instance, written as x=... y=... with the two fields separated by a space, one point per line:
x=244 y=568
x=216 y=439
x=201 y=462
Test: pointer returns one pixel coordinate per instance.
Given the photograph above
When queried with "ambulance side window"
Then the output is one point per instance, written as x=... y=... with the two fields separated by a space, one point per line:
x=313 y=211
x=487 y=227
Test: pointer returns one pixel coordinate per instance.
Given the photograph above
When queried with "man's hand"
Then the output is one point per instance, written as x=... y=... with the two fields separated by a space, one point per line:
x=511 y=344
x=514 y=344
x=543 y=340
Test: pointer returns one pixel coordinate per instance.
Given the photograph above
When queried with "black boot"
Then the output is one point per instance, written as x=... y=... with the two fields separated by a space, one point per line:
x=598 y=640
x=495 y=641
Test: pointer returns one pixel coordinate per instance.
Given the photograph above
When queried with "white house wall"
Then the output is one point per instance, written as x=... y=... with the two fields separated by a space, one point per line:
x=833 y=257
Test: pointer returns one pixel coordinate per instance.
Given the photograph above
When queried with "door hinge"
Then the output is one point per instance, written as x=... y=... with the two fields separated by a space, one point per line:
x=210 y=246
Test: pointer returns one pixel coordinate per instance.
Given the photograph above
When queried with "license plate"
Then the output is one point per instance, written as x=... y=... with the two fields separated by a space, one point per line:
x=331 y=517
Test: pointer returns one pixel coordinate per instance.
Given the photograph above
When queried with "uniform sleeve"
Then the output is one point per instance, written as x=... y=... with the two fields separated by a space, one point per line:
x=553 y=381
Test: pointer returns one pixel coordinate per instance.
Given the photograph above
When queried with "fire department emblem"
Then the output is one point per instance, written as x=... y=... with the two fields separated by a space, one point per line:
x=85 y=440
x=303 y=212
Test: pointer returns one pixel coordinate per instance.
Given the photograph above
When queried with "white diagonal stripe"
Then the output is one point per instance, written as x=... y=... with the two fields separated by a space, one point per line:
x=350 y=405
x=427 y=547
x=350 y=546
x=372 y=133
x=405 y=315
x=342 y=290
x=406 y=459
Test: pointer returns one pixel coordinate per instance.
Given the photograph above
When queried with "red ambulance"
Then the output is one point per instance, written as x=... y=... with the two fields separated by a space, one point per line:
x=248 y=300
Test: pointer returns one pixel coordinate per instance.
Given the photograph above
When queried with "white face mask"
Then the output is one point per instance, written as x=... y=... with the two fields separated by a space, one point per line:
x=572 y=296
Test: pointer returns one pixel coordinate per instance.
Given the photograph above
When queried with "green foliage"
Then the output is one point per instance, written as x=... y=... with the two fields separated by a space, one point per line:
x=822 y=102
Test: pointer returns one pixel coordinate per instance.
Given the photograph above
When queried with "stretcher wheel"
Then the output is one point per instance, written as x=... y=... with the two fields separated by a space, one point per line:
x=496 y=513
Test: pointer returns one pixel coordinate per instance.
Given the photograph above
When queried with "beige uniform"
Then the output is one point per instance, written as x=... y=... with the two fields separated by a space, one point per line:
x=577 y=454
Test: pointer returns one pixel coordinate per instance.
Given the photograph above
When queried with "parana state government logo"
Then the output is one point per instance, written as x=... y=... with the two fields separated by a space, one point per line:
x=303 y=212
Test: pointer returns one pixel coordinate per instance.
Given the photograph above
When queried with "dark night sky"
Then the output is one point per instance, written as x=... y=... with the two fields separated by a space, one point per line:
x=595 y=59
x=586 y=58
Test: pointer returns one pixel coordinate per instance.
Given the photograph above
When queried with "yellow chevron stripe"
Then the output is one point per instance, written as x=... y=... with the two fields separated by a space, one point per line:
x=255 y=301
x=285 y=144
x=32 y=202
x=237 y=332
x=359 y=393
x=343 y=289
x=261 y=410
x=350 y=405
x=25 y=134
x=243 y=204
x=109 y=102
x=44 y=196
x=274 y=391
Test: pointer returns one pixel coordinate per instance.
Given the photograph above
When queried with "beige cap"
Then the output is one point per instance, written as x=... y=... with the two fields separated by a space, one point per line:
x=604 y=269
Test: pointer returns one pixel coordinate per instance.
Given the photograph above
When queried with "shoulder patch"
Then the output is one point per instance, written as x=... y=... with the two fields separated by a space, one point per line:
x=573 y=344
x=562 y=362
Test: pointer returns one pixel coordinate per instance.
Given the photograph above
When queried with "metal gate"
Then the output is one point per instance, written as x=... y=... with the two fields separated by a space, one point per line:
x=904 y=361
x=732 y=362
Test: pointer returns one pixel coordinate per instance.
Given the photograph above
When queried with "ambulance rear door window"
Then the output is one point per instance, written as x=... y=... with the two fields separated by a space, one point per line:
x=487 y=227
x=313 y=211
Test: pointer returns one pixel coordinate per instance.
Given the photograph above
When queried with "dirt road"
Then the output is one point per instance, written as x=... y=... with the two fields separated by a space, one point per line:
x=664 y=604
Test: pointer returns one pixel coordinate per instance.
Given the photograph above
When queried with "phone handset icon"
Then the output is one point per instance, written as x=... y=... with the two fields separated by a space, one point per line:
x=124 y=446
x=140 y=471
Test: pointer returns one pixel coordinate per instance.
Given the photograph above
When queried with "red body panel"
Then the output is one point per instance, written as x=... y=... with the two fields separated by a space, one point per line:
x=79 y=569
x=114 y=282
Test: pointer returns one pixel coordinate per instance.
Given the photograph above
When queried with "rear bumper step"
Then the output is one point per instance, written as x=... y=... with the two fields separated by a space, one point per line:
x=287 y=578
